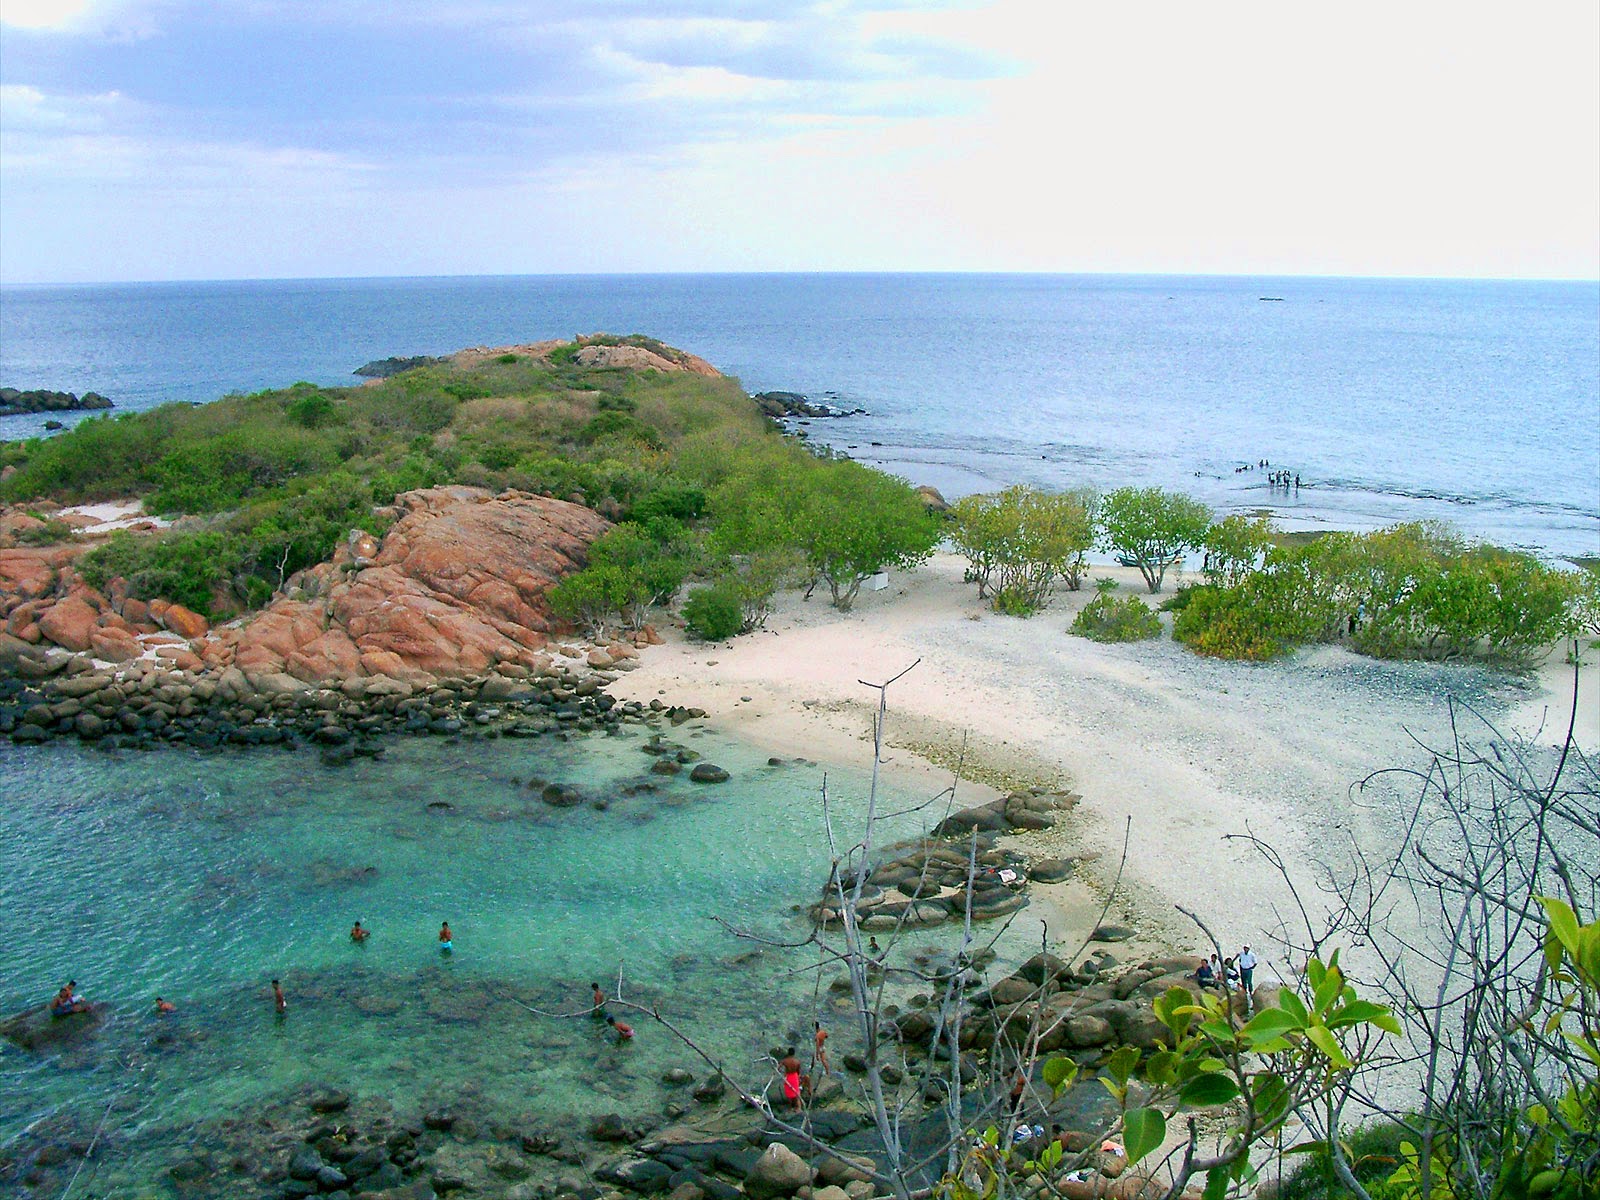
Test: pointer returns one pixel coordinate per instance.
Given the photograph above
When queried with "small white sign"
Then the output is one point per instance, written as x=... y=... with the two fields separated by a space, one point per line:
x=879 y=581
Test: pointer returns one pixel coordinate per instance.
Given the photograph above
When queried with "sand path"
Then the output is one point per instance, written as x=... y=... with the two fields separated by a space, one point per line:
x=1179 y=749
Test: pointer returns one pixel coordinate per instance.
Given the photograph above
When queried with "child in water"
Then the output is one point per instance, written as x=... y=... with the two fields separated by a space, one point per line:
x=446 y=938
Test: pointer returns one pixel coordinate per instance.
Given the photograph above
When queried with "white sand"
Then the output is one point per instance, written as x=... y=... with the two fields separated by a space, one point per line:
x=1188 y=749
x=117 y=514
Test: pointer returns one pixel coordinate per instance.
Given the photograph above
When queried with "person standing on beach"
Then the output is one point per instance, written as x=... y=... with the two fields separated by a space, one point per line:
x=1247 y=969
x=821 y=1054
x=280 y=1002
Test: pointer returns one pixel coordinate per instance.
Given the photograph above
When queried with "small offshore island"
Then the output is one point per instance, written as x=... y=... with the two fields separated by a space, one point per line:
x=253 y=599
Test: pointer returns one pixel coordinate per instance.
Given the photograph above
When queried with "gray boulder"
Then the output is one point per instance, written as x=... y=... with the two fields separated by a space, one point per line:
x=778 y=1172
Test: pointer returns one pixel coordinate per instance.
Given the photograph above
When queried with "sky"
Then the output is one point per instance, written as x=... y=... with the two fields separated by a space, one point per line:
x=175 y=139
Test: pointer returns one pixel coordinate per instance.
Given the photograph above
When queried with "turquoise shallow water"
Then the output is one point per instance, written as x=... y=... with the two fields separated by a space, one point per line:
x=202 y=877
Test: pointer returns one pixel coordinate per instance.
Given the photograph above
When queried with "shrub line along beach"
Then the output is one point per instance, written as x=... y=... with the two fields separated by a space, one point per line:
x=343 y=564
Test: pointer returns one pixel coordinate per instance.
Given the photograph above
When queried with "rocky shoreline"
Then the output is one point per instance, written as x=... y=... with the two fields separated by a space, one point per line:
x=704 y=1141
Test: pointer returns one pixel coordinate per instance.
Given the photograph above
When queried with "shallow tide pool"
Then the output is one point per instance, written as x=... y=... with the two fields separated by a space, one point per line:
x=202 y=877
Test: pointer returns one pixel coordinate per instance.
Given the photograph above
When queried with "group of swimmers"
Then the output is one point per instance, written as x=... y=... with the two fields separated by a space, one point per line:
x=67 y=1001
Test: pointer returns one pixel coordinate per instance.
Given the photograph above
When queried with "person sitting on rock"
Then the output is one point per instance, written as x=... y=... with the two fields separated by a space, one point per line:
x=358 y=934
x=68 y=1001
x=1205 y=976
x=1230 y=973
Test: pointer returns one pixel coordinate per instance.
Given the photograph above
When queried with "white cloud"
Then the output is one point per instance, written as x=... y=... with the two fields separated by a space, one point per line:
x=120 y=18
x=44 y=14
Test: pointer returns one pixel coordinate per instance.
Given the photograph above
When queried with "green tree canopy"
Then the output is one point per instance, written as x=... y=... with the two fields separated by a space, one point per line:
x=1019 y=541
x=1148 y=528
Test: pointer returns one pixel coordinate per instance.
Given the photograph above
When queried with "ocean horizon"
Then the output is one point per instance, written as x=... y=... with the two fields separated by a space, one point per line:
x=1471 y=401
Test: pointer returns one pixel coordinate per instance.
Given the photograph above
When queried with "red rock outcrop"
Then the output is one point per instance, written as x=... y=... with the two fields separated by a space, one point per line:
x=457 y=587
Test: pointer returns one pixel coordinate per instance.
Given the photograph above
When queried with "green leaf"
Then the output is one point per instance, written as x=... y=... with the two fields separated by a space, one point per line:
x=1271 y=1023
x=1291 y=1003
x=1272 y=1096
x=1121 y=1064
x=1161 y=1067
x=1058 y=1073
x=1563 y=922
x=1324 y=1041
x=1205 y=1090
x=1327 y=991
x=1362 y=1011
x=1143 y=1129
x=1217 y=1031
x=1216 y=1184
x=1174 y=1010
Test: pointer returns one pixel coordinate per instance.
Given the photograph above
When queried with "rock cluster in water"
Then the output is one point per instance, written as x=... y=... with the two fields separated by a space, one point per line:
x=14 y=403
x=793 y=404
x=928 y=881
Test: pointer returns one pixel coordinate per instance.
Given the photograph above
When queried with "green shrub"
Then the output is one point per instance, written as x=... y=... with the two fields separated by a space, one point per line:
x=715 y=613
x=614 y=425
x=1020 y=541
x=505 y=360
x=1221 y=623
x=1374 y=1153
x=194 y=569
x=681 y=502
x=1109 y=618
x=312 y=410
x=53 y=532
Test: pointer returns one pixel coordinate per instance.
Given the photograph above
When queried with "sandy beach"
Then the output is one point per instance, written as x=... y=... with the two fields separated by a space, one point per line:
x=1177 y=750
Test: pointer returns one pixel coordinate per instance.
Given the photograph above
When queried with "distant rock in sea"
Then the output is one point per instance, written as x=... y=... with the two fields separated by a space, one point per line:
x=382 y=368
x=793 y=404
x=14 y=403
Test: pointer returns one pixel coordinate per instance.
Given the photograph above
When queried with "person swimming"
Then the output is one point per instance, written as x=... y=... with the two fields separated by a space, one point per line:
x=447 y=940
x=358 y=934
x=624 y=1031
x=163 y=1007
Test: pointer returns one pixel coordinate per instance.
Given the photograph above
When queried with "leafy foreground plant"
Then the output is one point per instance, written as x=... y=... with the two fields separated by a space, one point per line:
x=1501 y=1006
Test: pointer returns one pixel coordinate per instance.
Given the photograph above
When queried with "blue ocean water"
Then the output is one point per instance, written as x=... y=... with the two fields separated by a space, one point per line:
x=1472 y=402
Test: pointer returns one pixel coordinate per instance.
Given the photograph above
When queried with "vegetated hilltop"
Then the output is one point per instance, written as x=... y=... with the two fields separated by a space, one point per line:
x=262 y=486
x=446 y=520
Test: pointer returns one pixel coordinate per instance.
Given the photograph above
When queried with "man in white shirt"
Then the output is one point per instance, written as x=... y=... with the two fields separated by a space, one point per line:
x=1247 y=970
